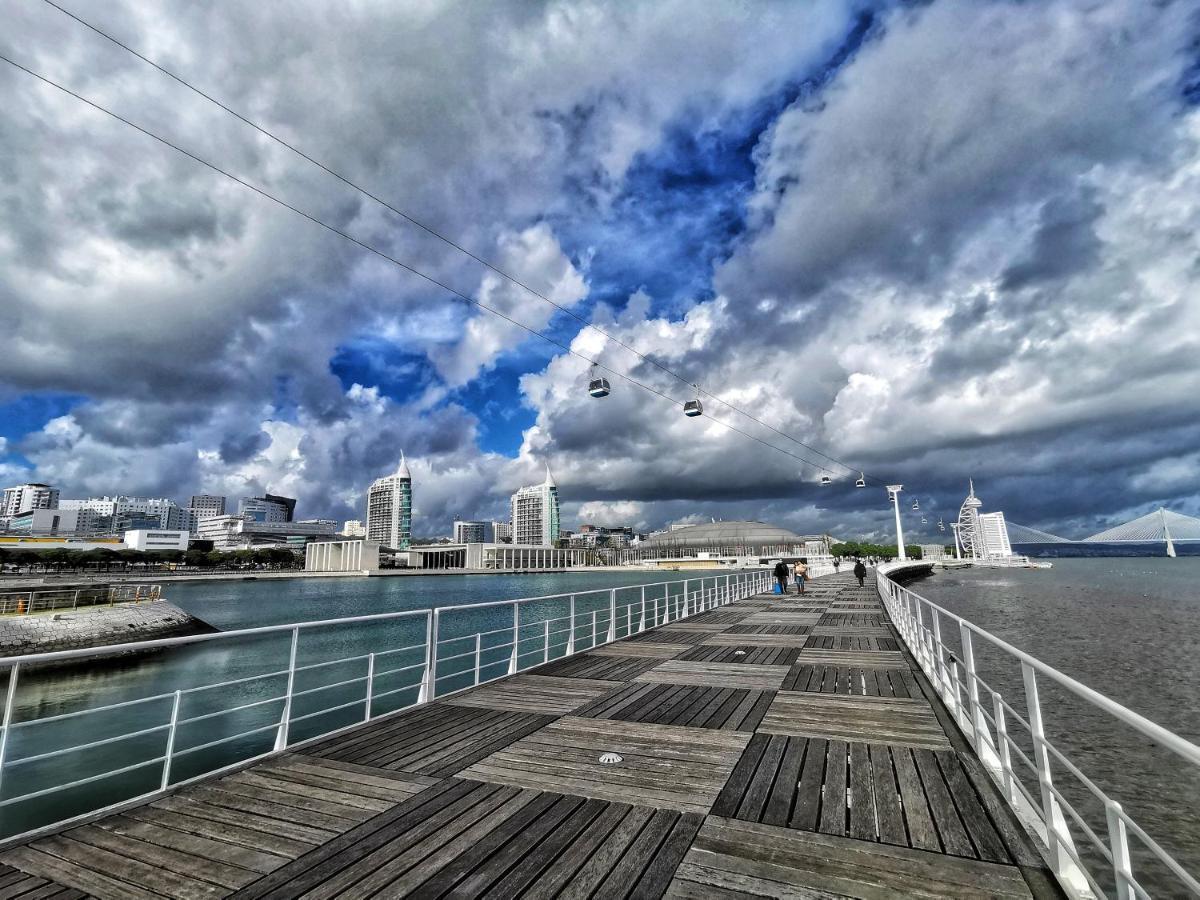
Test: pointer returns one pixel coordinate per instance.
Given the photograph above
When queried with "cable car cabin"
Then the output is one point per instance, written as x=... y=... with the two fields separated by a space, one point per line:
x=825 y=481
x=916 y=505
x=598 y=387
x=693 y=408
x=861 y=481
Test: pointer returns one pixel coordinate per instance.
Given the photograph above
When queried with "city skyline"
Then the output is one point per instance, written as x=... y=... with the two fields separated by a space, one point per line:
x=1013 y=276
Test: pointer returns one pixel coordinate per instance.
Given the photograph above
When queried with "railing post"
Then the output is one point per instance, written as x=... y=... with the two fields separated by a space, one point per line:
x=666 y=603
x=1002 y=748
x=512 y=660
x=686 y=585
x=170 y=751
x=545 y=641
x=478 y=655
x=642 y=620
x=571 y=633
x=974 y=715
x=593 y=628
x=1118 y=842
x=612 y=616
x=370 y=687
x=429 y=682
x=75 y=603
x=943 y=672
x=10 y=701
x=1050 y=811
x=281 y=736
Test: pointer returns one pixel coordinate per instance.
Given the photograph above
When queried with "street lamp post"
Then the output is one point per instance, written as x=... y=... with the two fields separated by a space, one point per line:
x=954 y=528
x=894 y=493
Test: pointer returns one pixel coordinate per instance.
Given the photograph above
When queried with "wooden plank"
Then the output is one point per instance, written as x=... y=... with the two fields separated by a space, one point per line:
x=655 y=650
x=807 y=809
x=862 y=795
x=202 y=846
x=589 y=876
x=275 y=833
x=921 y=833
x=563 y=868
x=787 y=783
x=734 y=675
x=887 y=797
x=941 y=806
x=774 y=862
x=833 y=799
x=1016 y=839
x=80 y=877
x=186 y=864
x=864 y=659
x=544 y=694
x=986 y=841
x=879 y=719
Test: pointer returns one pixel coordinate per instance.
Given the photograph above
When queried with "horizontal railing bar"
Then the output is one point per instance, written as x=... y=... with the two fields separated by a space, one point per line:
x=327 y=710
x=328 y=687
x=273 y=726
x=225 y=712
x=331 y=662
x=380 y=673
x=84 y=712
x=82 y=781
x=160 y=643
x=62 y=751
x=379 y=653
x=220 y=684
x=1166 y=858
x=407 y=687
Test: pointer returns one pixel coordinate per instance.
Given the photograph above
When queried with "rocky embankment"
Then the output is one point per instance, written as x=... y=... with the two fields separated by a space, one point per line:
x=97 y=626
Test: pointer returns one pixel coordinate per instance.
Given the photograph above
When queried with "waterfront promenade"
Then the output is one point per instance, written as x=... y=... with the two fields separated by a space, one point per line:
x=775 y=747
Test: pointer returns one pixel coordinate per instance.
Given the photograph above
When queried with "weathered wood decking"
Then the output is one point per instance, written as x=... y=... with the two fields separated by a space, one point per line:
x=779 y=747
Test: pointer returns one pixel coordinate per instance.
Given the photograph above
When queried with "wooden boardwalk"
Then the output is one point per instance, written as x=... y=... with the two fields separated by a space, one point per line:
x=778 y=747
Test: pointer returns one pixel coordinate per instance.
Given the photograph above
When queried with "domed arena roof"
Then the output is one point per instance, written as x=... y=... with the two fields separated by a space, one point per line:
x=748 y=537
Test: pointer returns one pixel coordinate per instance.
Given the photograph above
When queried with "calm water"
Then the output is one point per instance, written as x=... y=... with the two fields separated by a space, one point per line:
x=326 y=698
x=1129 y=628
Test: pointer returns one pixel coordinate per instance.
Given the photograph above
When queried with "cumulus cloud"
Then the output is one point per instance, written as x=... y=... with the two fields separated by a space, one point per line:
x=967 y=248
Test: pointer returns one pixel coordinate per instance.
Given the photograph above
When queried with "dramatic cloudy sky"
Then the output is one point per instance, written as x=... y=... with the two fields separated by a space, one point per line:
x=936 y=240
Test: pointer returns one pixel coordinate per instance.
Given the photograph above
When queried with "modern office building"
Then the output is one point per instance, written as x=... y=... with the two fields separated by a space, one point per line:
x=502 y=532
x=353 y=528
x=237 y=532
x=994 y=534
x=728 y=543
x=205 y=505
x=128 y=513
x=25 y=497
x=267 y=508
x=156 y=539
x=44 y=521
x=535 y=514
x=470 y=532
x=389 y=509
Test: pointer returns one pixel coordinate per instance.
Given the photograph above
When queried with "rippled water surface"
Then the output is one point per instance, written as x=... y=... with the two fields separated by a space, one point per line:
x=1129 y=628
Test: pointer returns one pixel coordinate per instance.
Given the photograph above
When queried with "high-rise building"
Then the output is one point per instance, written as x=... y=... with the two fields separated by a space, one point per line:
x=267 y=508
x=470 y=532
x=389 y=509
x=535 y=516
x=354 y=528
x=994 y=533
x=502 y=532
x=205 y=505
x=25 y=497
x=154 y=512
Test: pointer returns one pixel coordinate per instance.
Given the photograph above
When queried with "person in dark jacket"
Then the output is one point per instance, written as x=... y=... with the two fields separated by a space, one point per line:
x=781 y=576
x=860 y=571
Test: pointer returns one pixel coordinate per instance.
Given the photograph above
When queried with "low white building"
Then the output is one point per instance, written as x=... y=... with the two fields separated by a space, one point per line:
x=354 y=528
x=494 y=557
x=147 y=539
x=236 y=532
x=45 y=521
x=342 y=556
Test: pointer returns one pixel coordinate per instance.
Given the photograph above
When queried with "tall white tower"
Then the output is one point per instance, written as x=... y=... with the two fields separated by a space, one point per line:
x=389 y=509
x=535 y=513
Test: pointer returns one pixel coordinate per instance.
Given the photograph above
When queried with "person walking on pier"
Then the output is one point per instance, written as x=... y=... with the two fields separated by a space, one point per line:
x=801 y=571
x=781 y=576
x=860 y=571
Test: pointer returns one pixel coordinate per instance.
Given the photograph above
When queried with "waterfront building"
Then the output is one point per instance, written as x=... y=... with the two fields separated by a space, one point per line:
x=237 y=532
x=502 y=532
x=994 y=535
x=469 y=532
x=389 y=509
x=156 y=539
x=342 y=556
x=493 y=557
x=205 y=505
x=535 y=513
x=933 y=552
x=353 y=528
x=24 y=497
x=267 y=508
x=44 y=521
x=126 y=513
x=728 y=543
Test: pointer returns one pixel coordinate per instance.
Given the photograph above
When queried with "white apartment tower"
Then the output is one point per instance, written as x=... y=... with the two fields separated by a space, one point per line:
x=469 y=532
x=26 y=497
x=535 y=517
x=994 y=533
x=389 y=509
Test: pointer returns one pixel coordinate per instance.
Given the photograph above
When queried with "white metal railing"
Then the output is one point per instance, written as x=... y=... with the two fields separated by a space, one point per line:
x=433 y=661
x=992 y=726
x=27 y=602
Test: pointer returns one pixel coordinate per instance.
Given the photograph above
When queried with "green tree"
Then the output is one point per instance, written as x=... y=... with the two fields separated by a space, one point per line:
x=216 y=558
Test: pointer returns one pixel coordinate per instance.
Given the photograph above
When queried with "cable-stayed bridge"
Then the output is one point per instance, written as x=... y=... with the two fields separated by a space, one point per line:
x=1023 y=534
x=1159 y=527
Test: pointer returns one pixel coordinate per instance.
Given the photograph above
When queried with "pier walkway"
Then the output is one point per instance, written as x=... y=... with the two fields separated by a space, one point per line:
x=775 y=747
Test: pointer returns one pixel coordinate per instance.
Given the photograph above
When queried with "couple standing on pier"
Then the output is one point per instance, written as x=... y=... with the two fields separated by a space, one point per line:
x=782 y=572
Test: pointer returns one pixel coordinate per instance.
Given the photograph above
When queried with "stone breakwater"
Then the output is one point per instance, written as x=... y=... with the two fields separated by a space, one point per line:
x=95 y=627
